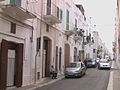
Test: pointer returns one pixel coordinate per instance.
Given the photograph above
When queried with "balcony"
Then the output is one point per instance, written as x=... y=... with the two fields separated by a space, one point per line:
x=85 y=42
x=70 y=29
x=77 y=37
x=52 y=14
x=13 y=9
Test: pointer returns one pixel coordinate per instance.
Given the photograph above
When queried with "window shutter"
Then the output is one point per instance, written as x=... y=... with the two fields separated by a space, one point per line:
x=48 y=7
x=15 y=2
x=38 y=43
x=19 y=65
x=58 y=10
x=13 y=28
x=67 y=20
x=61 y=14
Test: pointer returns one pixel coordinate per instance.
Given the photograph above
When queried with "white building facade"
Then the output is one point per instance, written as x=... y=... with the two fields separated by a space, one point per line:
x=37 y=34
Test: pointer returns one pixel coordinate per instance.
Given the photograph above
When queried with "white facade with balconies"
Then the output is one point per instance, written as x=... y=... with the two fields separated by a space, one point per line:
x=41 y=33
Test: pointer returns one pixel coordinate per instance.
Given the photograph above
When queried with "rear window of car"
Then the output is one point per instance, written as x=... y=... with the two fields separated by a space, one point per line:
x=74 y=65
x=103 y=60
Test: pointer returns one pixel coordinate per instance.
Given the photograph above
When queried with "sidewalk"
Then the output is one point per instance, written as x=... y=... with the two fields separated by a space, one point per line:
x=44 y=82
x=114 y=80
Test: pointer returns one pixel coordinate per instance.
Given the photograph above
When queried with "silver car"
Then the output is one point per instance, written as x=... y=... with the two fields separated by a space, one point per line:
x=104 y=64
x=75 y=69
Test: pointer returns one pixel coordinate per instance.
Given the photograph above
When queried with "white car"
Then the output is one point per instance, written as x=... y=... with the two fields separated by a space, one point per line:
x=104 y=64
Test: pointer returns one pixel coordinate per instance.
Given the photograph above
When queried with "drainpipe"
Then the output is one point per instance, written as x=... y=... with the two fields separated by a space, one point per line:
x=35 y=73
x=35 y=67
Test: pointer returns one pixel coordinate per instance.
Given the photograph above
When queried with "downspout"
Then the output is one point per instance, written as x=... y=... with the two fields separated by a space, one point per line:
x=41 y=33
x=35 y=73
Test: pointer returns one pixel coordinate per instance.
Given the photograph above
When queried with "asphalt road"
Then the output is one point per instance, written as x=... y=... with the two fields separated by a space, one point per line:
x=93 y=80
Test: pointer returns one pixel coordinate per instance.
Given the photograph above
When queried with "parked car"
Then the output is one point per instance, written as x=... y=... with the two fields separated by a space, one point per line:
x=91 y=63
x=75 y=69
x=104 y=64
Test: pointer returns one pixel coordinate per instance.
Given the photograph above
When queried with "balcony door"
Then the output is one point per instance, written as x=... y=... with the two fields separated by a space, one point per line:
x=48 y=7
x=67 y=54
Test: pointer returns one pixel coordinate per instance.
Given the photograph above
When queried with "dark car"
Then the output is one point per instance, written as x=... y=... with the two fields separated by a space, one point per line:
x=91 y=63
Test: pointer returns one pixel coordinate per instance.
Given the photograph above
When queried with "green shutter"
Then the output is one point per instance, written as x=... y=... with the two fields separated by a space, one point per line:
x=15 y=2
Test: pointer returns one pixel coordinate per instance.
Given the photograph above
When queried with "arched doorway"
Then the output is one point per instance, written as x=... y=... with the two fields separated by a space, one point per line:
x=47 y=55
x=67 y=54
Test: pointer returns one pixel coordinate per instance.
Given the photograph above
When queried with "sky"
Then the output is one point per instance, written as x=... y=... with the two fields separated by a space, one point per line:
x=103 y=15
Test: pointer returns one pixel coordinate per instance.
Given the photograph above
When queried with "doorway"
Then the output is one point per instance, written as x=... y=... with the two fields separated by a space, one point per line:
x=11 y=64
x=67 y=54
x=47 y=55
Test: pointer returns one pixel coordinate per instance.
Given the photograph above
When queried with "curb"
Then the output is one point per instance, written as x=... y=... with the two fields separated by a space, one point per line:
x=52 y=81
x=110 y=84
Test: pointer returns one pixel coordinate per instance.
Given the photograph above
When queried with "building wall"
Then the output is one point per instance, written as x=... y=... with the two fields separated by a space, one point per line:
x=23 y=35
x=28 y=31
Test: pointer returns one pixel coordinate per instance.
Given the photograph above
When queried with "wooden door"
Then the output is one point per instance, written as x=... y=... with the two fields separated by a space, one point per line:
x=3 y=64
x=19 y=65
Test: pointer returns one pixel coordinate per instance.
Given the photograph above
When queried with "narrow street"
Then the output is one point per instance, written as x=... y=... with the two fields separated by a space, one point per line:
x=93 y=80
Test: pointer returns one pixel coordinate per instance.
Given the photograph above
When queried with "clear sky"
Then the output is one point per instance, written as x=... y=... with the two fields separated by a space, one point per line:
x=103 y=14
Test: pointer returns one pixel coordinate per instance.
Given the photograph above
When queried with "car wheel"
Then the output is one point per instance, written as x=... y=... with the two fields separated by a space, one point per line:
x=99 y=68
x=84 y=73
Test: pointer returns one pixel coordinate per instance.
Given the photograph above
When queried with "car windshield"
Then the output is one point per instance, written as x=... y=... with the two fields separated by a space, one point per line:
x=74 y=65
x=103 y=61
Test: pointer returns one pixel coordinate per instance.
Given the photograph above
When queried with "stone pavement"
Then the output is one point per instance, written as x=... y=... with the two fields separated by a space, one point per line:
x=114 y=81
x=44 y=82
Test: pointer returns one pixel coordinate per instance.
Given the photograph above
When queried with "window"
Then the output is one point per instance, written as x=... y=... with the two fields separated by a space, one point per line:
x=61 y=14
x=94 y=50
x=13 y=28
x=67 y=20
x=48 y=7
x=47 y=28
x=58 y=10
x=76 y=23
x=38 y=43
